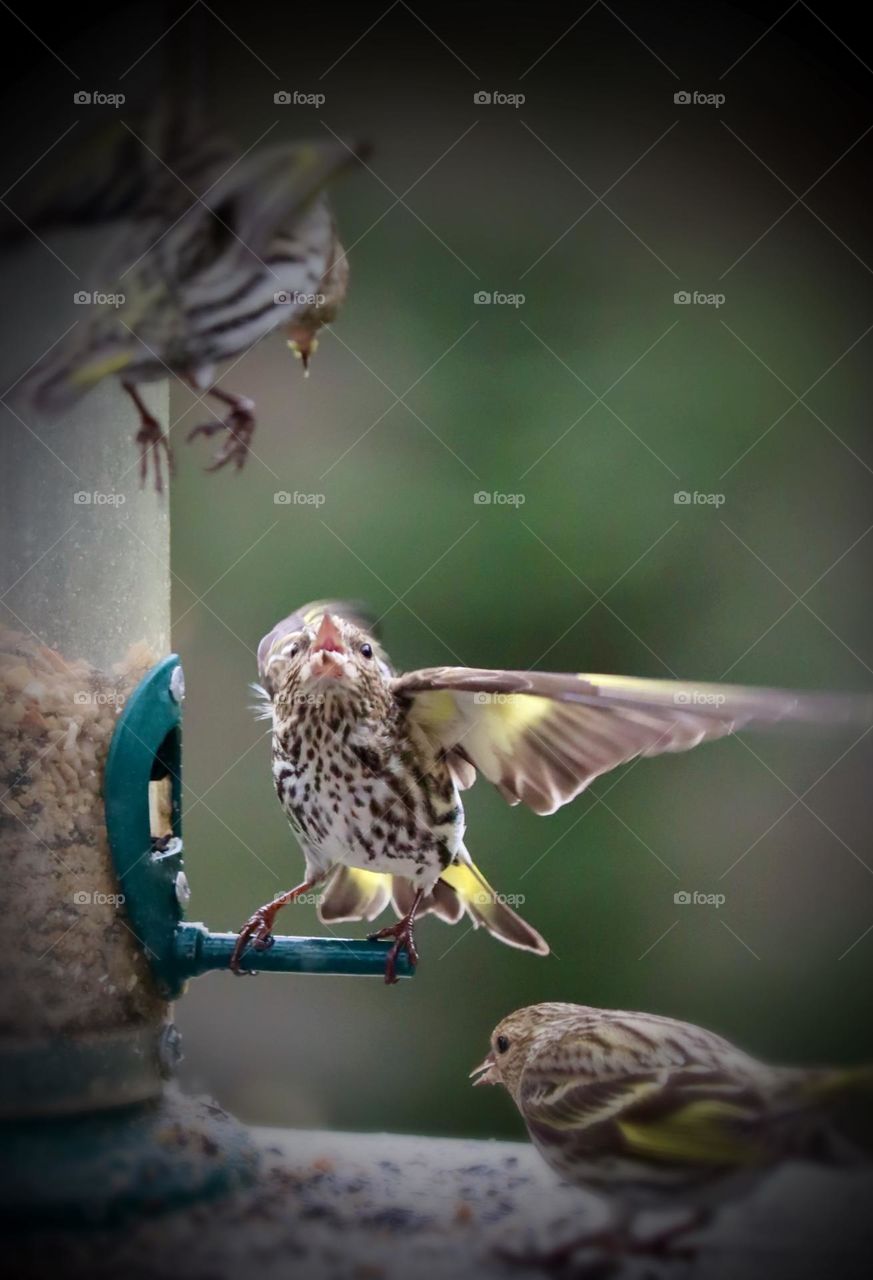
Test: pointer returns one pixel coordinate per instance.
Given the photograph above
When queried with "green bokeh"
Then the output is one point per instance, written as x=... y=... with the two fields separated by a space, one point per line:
x=598 y=570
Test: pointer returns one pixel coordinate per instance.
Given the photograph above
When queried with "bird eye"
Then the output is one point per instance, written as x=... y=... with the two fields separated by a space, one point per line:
x=367 y=650
x=292 y=650
x=502 y=1044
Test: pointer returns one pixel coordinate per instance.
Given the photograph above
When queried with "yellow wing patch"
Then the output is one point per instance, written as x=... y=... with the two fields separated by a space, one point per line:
x=697 y=1133
x=89 y=375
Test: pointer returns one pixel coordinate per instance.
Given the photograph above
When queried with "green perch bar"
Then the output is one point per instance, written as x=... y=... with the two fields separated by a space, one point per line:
x=199 y=951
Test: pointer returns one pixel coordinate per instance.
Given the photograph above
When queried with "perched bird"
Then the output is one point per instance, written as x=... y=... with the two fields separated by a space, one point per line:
x=208 y=252
x=369 y=765
x=661 y=1113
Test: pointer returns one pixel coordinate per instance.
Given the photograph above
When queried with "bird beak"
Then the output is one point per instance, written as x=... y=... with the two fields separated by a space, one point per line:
x=327 y=642
x=486 y=1072
x=303 y=346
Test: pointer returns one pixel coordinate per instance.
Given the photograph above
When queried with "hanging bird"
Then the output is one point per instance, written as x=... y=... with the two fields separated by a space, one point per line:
x=659 y=1113
x=208 y=252
x=369 y=765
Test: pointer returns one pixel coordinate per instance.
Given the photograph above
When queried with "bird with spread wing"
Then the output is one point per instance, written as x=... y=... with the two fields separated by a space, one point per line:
x=369 y=765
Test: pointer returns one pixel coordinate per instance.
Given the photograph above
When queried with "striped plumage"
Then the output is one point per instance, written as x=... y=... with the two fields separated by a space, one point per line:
x=369 y=766
x=655 y=1110
x=210 y=252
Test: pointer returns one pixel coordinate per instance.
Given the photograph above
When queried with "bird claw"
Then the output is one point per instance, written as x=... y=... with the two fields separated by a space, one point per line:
x=239 y=426
x=256 y=932
x=404 y=940
x=151 y=439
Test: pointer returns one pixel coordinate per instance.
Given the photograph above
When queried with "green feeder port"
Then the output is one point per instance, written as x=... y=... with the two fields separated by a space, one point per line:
x=143 y=818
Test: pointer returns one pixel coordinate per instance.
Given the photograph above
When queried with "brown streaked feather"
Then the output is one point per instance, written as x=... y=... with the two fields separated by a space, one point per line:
x=542 y=737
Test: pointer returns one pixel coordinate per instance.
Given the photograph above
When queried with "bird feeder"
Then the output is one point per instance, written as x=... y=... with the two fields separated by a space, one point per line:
x=95 y=944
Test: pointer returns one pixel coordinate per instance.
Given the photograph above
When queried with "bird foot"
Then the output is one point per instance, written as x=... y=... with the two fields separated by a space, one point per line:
x=610 y=1247
x=257 y=933
x=404 y=940
x=239 y=426
x=152 y=440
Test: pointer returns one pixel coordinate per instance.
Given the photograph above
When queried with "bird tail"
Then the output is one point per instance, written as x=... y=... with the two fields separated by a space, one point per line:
x=842 y=1099
x=355 y=894
x=486 y=907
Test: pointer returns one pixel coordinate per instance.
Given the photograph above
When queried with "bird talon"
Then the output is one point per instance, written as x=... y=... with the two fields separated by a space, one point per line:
x=239 y=426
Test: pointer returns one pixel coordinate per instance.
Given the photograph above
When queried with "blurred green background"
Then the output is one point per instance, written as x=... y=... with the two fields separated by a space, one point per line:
x=598 y=570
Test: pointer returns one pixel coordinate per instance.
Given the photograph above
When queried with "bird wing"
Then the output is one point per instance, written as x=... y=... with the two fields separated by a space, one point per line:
x=267 y=190
x=542 y=738
x=650 y=1117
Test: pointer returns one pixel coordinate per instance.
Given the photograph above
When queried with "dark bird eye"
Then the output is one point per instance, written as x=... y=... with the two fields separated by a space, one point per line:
x=502 y=1044
x=293 y=650
x=367 y=650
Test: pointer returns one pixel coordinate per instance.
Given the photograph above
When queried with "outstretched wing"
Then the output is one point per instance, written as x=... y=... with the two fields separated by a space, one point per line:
x=542 y=738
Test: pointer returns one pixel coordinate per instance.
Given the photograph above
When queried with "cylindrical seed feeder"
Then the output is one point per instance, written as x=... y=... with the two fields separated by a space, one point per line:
x=94 y=944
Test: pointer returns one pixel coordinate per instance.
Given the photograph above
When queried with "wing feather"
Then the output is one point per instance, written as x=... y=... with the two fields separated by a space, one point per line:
x=542 y=737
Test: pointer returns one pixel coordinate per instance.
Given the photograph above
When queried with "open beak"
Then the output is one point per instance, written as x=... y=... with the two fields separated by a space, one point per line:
x=486 y=1072
x=328 y=650
x=303 y=345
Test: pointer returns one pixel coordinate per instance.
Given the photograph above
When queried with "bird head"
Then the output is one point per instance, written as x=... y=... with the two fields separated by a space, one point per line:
x=512 y=1042
x=324 y=650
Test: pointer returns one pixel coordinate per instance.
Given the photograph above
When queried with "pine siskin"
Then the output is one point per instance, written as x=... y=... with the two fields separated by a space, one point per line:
x=210 y=254
x=368 y=765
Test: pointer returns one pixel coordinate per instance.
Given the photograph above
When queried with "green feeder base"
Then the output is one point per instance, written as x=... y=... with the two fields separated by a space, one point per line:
x=99 y=1168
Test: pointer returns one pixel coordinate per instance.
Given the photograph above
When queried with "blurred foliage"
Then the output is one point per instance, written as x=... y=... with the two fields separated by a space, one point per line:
x=599 y=569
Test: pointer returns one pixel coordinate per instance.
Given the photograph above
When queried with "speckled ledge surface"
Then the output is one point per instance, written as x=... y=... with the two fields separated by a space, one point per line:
x=336 y=1206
